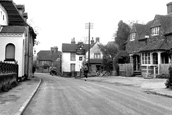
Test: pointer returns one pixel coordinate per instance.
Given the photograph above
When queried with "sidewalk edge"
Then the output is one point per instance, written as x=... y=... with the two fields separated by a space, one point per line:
x=24 y=105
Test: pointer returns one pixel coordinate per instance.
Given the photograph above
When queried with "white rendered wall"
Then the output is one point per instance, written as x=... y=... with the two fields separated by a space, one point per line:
x=17 y=40
x=94 y=49
x=66 y=62
x=3 y=16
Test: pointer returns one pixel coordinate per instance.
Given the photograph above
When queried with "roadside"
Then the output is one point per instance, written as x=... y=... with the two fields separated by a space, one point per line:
x=15 y=100
x=154 y=86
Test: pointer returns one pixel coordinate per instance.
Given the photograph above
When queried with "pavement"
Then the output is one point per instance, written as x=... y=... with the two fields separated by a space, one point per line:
x=15 y=100
x=154 y=85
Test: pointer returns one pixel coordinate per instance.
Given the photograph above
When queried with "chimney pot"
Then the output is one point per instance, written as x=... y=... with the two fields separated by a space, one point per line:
x=169 y=8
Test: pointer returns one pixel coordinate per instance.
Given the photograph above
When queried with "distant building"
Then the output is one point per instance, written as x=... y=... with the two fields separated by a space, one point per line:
x=75 y=55
x=50 y=58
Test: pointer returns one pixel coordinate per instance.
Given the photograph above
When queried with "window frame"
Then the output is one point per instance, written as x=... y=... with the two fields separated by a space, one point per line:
x=132 y=36
x=9 y=57
x=155 y=31
x=96 y=55
x=146 y=58
x=72 y=57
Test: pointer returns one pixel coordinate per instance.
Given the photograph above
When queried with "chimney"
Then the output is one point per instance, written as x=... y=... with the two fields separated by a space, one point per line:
x=25 y=16
x=92 y=41
x=73 y=41
x=97 y=39
x=169 y=8
x=21 y=9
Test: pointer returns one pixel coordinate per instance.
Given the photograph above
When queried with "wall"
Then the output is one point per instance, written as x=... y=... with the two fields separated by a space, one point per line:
x=66 y=62
x=17 y=40
x=3 y=16
x=94 y=49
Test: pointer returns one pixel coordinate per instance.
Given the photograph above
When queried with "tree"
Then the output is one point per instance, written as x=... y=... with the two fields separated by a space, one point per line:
x=122 y=34
x=109 y=51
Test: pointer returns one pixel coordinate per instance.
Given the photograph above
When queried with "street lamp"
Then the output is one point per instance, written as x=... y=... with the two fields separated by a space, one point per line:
x=89 y=26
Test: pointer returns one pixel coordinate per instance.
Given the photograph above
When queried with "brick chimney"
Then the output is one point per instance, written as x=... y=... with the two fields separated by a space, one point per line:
x=97 y=39
x=25 y=16
x=169 y=8
x=73 y=41
x=21 y=9
x=92 y=41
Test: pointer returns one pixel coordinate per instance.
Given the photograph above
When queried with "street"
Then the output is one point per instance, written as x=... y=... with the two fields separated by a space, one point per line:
x=70 y=96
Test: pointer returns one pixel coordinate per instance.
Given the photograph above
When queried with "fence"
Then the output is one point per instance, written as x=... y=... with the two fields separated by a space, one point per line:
x=8 y=74
x=163 y=68
x=126 y=69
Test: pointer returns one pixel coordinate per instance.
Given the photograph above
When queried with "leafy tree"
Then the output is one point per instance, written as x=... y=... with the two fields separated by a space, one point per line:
x=122 y=34
x=109 y=51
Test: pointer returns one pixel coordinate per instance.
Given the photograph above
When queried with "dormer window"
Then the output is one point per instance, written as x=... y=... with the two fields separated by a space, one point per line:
x=155 y=31
x=132 y=36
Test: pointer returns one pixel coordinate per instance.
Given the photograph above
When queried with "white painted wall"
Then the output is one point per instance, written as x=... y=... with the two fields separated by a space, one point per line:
x=3 y=16
x=17 y=40
x=94 y=49
x=66 y=62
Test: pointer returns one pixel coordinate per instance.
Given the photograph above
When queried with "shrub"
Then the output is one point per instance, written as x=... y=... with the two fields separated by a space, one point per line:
x=163 y=76
x=169 y=80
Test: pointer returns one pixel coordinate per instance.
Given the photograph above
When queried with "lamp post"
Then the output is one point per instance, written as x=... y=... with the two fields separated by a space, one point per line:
x=89 y=26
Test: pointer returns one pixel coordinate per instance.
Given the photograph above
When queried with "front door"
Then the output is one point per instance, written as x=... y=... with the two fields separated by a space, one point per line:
x=136 y=63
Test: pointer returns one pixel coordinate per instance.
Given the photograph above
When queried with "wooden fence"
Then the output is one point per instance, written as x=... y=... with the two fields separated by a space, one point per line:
x=126 y=69
x=163 y=68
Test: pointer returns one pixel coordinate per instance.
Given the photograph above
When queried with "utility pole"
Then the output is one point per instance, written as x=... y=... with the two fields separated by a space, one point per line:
x=89 y=26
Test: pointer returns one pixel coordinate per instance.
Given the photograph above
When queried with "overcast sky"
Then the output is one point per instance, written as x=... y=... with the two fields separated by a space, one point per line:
x=58 y=21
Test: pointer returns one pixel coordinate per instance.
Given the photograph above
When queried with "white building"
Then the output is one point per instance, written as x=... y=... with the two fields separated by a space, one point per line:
x=16 y=37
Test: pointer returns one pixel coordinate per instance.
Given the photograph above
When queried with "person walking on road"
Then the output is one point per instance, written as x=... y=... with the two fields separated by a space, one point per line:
x=85 y=71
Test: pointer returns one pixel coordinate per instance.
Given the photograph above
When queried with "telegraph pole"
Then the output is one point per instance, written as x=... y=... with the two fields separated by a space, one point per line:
x=89 y=26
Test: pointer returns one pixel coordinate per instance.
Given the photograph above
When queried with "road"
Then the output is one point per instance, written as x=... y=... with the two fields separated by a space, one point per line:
x=70 y=96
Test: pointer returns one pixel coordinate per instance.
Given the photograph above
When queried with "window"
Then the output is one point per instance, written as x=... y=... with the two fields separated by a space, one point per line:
x=145 y=58
x=96 y=55
x=10 y=52
x=155 y=31
x=72 y=67
x=132 y=36
x=155 y=58
x=72 y=57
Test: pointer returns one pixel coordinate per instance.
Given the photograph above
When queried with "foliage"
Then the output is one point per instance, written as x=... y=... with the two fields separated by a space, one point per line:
x=122 y=34
x=46 y=66
x=169 y=80
x=163 y=76
x=109 y=51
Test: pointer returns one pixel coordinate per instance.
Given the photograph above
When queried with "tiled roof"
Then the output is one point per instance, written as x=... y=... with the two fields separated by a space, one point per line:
x=13 y=29
x=153 y=43
x=72 y=47
x=96 y=61
x=14 y=17
x=46 y=55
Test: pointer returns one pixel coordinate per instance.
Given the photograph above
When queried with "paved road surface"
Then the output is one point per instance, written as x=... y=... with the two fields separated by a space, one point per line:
x=69 y=96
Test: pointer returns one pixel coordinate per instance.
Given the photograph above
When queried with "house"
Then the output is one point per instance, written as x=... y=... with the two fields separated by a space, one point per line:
x=16 y=37
x=73 y=56
x=149 y=44
x=49 y=58
x=96 y=56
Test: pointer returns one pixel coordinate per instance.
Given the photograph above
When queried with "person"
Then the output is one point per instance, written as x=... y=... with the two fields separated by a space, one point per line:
x=33 y=70
x=85 y=71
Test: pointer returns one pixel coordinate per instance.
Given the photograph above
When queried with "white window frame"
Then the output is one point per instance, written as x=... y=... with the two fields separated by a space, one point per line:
x=132 y=36
x=72 y=57
x=155 y=31
x=146 y=58
x=96 y=55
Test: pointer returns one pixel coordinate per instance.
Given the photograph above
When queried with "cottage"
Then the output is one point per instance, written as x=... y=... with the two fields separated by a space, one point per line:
x=49 y=58
x=16 y=37
x=148 y=45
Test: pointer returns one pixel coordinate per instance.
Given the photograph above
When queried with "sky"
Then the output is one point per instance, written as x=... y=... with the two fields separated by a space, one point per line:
x=58 y=21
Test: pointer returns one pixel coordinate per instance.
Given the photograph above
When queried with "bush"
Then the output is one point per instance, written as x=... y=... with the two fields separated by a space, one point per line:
x=163 y=76
x=169 y=80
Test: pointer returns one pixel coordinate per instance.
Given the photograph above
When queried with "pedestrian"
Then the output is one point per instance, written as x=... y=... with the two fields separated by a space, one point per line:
x=33 y=70
x=85 y=71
